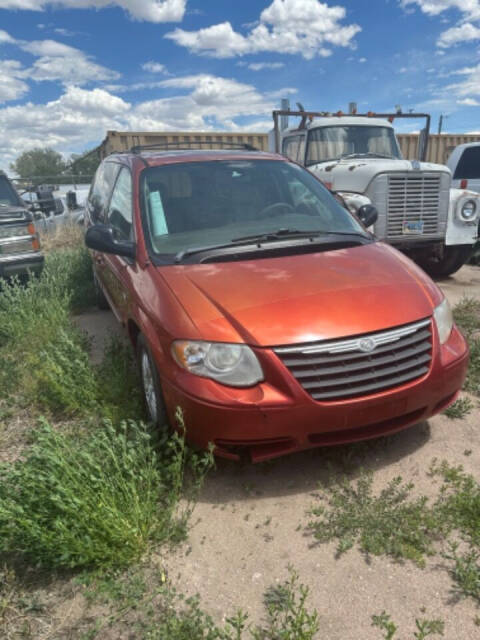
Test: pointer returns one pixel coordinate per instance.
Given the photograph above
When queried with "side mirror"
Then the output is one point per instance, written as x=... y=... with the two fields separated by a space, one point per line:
x=368 y=214
x=100 y=237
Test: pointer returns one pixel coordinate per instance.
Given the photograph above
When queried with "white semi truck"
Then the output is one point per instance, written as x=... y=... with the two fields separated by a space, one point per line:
x=358 y=157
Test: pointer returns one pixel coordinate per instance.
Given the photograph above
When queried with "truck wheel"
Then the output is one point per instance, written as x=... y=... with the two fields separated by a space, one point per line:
x=100 y=299
x=151 y=387
x=453 y=259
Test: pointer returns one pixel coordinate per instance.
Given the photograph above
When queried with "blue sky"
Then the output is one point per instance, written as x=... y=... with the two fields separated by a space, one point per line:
x=71 y=69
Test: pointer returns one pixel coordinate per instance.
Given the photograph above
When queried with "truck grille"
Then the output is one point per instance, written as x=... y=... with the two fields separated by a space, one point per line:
x=343 y=369
x=413 y=199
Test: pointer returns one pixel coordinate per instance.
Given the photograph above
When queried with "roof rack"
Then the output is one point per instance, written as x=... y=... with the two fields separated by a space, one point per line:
x=191 y=145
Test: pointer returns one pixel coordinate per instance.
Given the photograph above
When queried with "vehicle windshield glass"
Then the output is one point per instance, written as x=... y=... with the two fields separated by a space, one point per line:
x=469 y=165
x=208 y=203
x=7 y=193
x=333 y=143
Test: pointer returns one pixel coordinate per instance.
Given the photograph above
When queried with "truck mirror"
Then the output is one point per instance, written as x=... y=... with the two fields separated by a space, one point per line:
x=368 y=214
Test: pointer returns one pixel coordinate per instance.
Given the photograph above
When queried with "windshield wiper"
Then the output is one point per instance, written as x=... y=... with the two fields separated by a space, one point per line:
x=279 y=234
x=265 y=237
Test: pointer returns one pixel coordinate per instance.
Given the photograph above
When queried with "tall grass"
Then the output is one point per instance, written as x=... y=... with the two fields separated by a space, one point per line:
x=93 y=499
x=44 y=358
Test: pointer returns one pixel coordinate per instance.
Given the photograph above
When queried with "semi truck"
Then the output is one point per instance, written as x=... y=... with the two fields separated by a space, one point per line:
x=358 y=157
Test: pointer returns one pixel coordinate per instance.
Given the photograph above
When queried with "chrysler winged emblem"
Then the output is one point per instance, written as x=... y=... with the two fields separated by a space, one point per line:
x=366 y=344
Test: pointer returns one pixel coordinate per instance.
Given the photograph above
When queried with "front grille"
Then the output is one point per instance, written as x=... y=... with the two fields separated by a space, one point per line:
x=343 y=369
x=413 y=199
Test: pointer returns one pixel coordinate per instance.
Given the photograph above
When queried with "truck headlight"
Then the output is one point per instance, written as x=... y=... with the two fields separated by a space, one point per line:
x=444 y=320
x=234 y=365
x=468 y=212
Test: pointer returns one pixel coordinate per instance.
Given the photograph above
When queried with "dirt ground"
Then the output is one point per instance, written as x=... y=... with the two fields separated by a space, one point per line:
x=248 y=525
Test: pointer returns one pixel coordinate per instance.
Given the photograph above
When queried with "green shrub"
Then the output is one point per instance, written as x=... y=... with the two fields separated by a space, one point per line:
x=392 y=522
x=70 y=272
x=95 y=498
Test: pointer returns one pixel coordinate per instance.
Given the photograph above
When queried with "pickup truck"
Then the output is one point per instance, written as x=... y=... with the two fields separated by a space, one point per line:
x=20 y=252
x=358 y=158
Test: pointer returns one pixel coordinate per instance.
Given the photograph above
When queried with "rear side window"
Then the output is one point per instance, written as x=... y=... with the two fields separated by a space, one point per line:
x=468 y=166
x=120 y=211
x=102 y=187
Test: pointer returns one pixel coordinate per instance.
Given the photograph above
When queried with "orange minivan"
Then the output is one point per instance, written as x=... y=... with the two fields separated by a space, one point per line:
x=262 y=307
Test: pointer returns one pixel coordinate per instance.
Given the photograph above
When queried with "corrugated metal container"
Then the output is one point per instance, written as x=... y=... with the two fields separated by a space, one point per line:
x=124 y=140
x=439 y=146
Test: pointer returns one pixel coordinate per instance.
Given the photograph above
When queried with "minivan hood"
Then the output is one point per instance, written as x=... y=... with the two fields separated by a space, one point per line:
x=304 y=298
x=355 y=174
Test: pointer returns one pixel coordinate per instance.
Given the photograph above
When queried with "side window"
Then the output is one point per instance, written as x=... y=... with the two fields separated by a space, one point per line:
x=290 y=147
x=120 y=211
x=101 y=188
x=469 y=164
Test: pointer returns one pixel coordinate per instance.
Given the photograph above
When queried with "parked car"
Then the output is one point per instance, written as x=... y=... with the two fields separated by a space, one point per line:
x=55 y=207
x=359 y=157
x=262 y=307
x=19 y=244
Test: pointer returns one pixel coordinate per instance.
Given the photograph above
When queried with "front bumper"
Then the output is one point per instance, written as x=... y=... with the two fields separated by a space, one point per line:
x=279 y=417
x=21 y=264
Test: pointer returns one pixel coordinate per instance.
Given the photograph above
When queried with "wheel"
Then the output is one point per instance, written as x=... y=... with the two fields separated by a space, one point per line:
x=271 y=210
x=151 y=387
x=100 y=299
x=453 y=259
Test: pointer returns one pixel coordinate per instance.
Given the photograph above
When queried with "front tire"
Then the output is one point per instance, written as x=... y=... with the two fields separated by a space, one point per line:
x=151 y=387
x=454 y=257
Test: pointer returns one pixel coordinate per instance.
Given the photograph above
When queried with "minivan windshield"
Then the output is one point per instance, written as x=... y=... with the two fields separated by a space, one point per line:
x=8 y=196
x=334 y=143
x=197 y=204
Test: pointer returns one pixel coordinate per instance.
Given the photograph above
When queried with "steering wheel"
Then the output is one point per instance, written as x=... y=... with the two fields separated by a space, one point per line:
x=270 y=211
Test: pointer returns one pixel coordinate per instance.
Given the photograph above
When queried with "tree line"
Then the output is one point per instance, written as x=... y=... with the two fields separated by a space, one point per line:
x=41 y=163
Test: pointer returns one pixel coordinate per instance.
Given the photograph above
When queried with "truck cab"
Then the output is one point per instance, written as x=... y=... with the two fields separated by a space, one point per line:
x=359 y=158
x=19 y=243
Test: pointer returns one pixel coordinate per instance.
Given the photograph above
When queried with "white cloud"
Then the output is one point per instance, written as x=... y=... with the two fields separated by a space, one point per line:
x=12 y=86
x=470 y=8
x=80 y=117
x=305 y=27
x=6 y=38
x=260 y=66
x=148 y=10
x=56 y=61
x=362 y=60
x=463 y=33
x=469 y=102
x=154 y=67
x=468 y=87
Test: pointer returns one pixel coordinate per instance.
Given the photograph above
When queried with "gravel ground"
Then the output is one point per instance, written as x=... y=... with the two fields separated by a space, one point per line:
x=246 y=525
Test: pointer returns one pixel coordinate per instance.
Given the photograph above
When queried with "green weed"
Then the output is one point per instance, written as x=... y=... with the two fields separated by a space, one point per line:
x=161 y=612
x=467 y=316
x=95 y=499
x=465 y=572
x=391 y=523
x=459 y=409
x=425 y=628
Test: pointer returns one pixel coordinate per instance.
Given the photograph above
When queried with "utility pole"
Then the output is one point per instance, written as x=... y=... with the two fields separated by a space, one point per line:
x=440 y=125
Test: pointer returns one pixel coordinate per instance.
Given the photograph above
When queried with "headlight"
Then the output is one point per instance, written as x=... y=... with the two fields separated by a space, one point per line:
x=468 y=212
x=444 y=320
x=234 y=365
